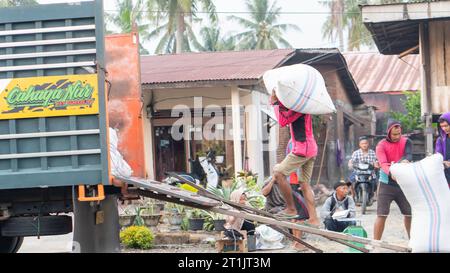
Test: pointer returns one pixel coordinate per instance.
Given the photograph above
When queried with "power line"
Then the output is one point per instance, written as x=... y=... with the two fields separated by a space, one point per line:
x=287 y=12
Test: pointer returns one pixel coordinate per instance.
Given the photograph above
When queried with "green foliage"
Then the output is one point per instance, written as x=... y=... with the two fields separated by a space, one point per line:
x=196 y=214
x=185 y=224
x=177 y=17
x=214 y=41
x=346 y=17
x=175 y=208
x=224 y=192
x=257 y=201
x=137 y=237
x=412 y=119
x=210 y=217
x=138 y=221
x=128 y=14
x=261 y=28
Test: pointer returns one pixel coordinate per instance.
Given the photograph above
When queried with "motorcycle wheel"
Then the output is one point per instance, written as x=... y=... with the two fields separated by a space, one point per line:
x=365 y=198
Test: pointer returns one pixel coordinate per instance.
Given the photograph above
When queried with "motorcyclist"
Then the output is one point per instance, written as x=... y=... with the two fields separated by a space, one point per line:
x=363 y=155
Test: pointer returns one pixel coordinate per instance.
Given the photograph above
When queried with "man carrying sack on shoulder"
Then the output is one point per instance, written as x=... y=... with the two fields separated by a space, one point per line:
x=303 y=154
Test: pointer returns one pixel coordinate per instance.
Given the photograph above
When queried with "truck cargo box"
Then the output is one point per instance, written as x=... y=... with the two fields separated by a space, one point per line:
x=53 y=118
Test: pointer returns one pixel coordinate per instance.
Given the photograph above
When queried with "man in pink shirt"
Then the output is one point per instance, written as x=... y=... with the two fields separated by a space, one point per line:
x=303 y=154
x=395 y=148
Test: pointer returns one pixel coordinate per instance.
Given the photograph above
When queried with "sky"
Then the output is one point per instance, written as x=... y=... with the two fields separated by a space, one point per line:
x=312 y=17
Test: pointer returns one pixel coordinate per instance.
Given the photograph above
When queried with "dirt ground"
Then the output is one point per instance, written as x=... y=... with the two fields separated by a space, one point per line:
x=394 y=233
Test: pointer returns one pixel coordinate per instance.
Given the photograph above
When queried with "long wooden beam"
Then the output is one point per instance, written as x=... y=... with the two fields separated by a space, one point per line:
x=341 y=237
x=324 y=233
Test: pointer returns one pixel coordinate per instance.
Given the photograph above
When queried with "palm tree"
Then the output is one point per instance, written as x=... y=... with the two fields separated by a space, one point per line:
x=334 y=25
x=128 y=16
x=345 y=16
x=14 y=3
x=168 y=43
x=358 y=34
x=262 y=32
x=213 y=41
x=179 y=14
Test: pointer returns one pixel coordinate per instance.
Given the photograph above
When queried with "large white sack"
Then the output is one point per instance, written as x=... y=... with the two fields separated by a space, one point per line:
x=300 y=88
x=119 y=167
x=427 y=191
x=268 y=238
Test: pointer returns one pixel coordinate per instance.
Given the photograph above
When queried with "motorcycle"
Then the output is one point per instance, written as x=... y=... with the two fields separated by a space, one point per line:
x=365 y=184
x=203 y=167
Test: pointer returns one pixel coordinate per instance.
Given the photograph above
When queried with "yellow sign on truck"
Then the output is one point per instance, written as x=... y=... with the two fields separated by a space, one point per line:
x=49 y=96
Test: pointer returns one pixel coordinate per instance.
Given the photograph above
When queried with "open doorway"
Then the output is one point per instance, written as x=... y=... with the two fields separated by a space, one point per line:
x=170 y=154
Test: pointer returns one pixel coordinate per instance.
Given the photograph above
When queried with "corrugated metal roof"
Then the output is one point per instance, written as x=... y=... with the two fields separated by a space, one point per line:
x=374 y=72
x=210 y=66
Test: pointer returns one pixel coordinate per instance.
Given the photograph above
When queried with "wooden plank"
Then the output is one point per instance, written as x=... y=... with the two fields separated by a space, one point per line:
x=447 y=51
x=326 y=233
x=269 y=220
x=158 y=188
x=437 y=52
x=298 y=240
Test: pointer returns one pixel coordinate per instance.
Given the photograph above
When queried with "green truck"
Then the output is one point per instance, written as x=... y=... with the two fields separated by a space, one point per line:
x=54 y=165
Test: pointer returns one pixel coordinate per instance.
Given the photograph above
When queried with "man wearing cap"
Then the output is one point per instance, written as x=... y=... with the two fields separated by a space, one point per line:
x=363 y=155
x=394 y=149
x=339 y=201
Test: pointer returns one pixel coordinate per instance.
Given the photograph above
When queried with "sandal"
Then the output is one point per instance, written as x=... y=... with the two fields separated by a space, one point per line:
x=285 y=216
x=306 y=223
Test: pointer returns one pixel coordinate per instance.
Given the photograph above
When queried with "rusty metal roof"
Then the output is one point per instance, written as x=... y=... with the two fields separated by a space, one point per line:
x=210 y=66
x=374 y=72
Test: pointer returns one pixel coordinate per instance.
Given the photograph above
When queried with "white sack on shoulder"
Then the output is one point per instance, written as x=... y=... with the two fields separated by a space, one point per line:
x=300 y=88
x=427 y=191
x=119 y=167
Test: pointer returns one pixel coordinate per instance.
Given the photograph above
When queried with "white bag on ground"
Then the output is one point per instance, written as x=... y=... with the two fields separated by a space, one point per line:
x=119 y=167
x=427 y=191
x=268 y=238
x=300 y=88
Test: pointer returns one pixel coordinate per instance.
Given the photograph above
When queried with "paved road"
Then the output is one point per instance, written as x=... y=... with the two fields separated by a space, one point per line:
x=53 y=244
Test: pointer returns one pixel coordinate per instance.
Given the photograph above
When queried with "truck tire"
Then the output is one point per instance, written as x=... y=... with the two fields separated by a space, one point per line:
x=30 y=226
x=10 y=244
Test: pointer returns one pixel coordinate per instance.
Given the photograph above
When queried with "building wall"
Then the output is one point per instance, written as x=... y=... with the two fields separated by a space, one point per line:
x=385 y=103
x=336 y=131
x=125 y=104
x=439 y=35
x=167 y=99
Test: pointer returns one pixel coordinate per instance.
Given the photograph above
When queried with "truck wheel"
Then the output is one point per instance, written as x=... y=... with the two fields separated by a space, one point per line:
x=10 y=244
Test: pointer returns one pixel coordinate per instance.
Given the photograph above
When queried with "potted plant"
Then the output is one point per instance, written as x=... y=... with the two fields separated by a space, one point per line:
x=201 y=155
x=175 y=214
x=127 y=217
x=156 y=205
x=149 y=216
x=220 y=153
x=196 y=219
x=214 y=221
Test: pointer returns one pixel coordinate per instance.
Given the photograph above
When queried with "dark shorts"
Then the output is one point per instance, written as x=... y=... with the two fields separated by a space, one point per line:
x=295 y=187
x=387 y=194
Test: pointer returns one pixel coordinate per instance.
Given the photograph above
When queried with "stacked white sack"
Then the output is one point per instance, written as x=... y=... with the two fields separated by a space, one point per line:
x=427 y=191
x=119 y=167
x=300 y=88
